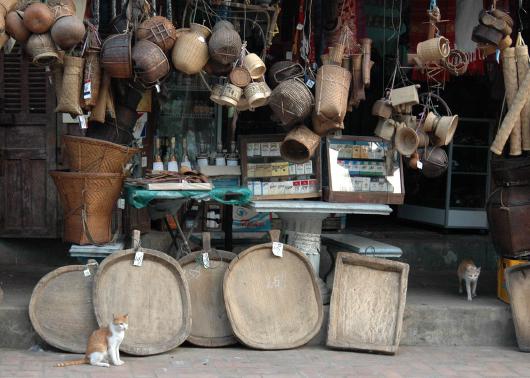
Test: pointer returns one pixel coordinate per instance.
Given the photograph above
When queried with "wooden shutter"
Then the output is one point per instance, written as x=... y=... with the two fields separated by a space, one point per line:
x=28 y=200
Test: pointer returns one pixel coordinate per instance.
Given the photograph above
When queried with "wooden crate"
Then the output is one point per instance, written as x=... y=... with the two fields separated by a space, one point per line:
x=245 y=140
x=367 y=303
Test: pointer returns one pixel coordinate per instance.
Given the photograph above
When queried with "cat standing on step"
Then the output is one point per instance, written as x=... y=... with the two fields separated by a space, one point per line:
x=468 y=272
x=104 y=345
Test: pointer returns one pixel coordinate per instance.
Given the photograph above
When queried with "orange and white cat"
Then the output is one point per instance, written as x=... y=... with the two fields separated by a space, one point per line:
x=104 y=345
x=468 y=272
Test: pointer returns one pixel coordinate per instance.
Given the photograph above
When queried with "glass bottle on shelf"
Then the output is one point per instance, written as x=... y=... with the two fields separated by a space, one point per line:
x=233 y=156
x=185 y=160
x=202 y=159
x=158 y=165
x=172 y=165
x=220 y=156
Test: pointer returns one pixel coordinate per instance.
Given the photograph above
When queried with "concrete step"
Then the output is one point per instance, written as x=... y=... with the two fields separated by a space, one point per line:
x=434 y=315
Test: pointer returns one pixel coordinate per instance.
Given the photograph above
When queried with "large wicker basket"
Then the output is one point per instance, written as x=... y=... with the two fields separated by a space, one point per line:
x=331 y=94
x=291 y=101
x=94 y=155
x=88 y=200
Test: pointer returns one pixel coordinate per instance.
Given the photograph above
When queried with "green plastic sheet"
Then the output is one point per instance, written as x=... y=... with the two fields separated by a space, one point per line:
x=140 y=198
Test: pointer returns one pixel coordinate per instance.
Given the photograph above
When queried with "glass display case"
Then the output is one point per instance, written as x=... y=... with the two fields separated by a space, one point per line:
x=458 y=198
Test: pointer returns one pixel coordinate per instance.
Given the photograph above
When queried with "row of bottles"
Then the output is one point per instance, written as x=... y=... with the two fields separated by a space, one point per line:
x=168 y=156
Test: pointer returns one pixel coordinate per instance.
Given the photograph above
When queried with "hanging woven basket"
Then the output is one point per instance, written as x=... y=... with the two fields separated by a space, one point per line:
x=299 y=145
x=190 y=52
x=225 y=44
x=158 y=30
x=291 y=101
x=116 y=56
x=151 y=65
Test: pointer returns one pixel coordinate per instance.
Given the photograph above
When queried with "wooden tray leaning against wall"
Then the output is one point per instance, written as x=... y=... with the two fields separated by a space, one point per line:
x=210 y=326
x=61 y=309
x=272 y=302
x=155 y=295
x=367 y=303
x=518 y=286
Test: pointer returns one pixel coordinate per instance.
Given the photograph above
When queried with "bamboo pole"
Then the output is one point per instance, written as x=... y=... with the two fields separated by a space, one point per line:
x=509 y=69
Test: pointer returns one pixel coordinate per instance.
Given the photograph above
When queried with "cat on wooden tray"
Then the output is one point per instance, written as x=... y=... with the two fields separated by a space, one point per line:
x=104 y=345
x=469 y=273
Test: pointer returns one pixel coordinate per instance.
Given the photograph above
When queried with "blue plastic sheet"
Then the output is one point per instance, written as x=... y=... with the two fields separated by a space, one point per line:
x=140 y=198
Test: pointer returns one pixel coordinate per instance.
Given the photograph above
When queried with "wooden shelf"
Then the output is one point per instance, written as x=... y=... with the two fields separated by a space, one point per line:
x=287 y=196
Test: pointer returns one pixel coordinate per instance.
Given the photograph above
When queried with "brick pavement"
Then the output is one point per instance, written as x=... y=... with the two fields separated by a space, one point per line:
x=305 y=362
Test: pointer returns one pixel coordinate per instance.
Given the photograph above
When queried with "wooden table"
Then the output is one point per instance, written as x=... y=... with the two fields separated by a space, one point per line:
x=302 y=220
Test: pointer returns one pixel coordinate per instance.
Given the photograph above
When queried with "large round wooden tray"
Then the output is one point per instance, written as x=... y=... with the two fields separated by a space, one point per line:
x=61 y=309
x=272 y=302
x=210 y=326
x=155 y=296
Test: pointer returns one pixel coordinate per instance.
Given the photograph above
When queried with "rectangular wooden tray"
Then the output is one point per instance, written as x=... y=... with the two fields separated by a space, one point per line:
x=367 y=303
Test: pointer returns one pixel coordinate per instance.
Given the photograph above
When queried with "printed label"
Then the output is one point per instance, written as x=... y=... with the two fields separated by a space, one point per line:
x=277 y=249
x=138 y=258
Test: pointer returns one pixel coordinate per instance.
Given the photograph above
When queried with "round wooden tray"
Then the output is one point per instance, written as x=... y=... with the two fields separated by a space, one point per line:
x=210 y=326
x=61 y=309
x=155 y=296
x=272 y=302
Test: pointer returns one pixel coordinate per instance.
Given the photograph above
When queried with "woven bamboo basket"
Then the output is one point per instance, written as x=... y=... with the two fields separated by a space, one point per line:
x=435 y=161
x=331 y=93
x=216 y=93
x=230 y=95
x=116 y=56
x=87 y=200
x=240 y=77
x=433 y=49
x=225 y=45
x=299 y=145
x=69 y=102
x=283 y=70
x=257 y=94
x=336 y=53
x=325 y=127
x=291 y=101
x=254 y=65
x=93 y=75
x=42 y=49
x=67 y=32
x=6 y=6
x=158 y=30
x=97 y=156
x=190 y=52
x=62 y=8
x=406 y=140
x=151 y=65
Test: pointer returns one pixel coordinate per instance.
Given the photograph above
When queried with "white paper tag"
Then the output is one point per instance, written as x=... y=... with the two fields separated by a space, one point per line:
x=201 y=38
x=82 y=122
x=144 y=161
x=277 y=249
x=157 y=87
x=121 y=203
x=86 y=272
x=310 y=83
x=87 y=90
x=205 y=260
x=419 y=164
x=300 y=27
x=138 y=258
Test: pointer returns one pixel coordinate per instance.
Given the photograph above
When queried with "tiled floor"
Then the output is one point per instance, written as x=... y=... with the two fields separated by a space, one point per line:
x=304 y=362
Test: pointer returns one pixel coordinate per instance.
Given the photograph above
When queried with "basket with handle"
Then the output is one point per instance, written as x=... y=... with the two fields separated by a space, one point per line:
x=88 y=200
x=94 y=155
x=190 y=52
x=225 y=44
x=116 y=56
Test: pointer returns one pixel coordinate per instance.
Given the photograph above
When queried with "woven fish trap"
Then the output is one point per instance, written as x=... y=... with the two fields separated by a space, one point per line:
x=291 y=101
x=433 y=49
x=158 y=30
x=151 y=65
x=69 y=102
x=42 y=49
x=225 y=45
x=331 y=93
x=87 y=200
x=94 y=155
x=190 y=53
